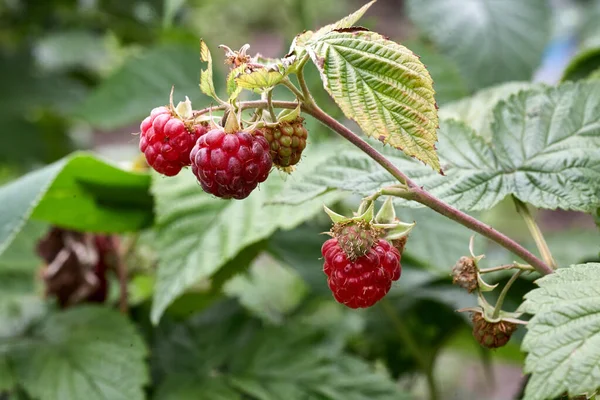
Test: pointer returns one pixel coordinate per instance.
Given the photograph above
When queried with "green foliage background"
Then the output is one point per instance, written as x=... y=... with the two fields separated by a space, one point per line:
x=228 y=299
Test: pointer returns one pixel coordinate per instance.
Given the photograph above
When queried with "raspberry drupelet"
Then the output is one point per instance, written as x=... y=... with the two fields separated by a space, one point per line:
x=166 y=141
x=364 y=281
x=231 y=165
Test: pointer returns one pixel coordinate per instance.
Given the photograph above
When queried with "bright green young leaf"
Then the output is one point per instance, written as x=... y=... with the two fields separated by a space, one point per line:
x=383 y=87
x=79 y=192
x=290 y=362
x=582 y=65
x=477 y=111
x=84 y=353
x=142 y=83
x=233 y=89
x=563 y=337
x=545 y=149
x=198 y=233
x=491 y=41
x=270 y=290
x=260 y=80
x=207 y=85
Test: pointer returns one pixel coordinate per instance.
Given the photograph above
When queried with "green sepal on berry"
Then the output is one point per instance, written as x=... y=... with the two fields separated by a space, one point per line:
x=356 y=235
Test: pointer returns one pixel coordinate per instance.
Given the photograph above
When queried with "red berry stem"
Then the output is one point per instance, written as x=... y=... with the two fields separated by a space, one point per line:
x=414 y=192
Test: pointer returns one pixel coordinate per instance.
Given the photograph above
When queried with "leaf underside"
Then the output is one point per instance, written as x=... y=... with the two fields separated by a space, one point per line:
x=544 y=149
x=86 y=352
x=383 y=87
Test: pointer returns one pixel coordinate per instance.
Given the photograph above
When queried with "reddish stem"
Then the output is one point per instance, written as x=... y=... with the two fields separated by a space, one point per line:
x=415 y=192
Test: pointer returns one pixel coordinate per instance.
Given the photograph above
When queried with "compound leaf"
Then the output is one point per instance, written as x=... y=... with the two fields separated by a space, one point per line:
x=563 y=337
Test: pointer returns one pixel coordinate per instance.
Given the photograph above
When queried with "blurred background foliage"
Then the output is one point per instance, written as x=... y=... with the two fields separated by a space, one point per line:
x=81 y=74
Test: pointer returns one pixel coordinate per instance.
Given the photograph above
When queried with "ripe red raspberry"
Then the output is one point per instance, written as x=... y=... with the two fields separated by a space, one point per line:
x=287 y=141
x=231 y=165
x=364 y=281
x=166 y=141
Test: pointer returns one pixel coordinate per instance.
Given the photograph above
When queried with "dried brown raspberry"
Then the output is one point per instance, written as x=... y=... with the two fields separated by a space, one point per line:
x=464 y=274
x=492 y=334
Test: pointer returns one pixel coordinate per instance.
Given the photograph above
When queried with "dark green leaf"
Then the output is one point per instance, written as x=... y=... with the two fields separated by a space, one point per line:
x=582 y=65
x=86 y=352
x=291 y=362
x=190 y=388
x=269 y=290
x=199 y=233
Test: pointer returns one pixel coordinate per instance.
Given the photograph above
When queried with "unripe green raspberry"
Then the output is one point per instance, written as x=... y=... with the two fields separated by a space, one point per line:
x=287 y=141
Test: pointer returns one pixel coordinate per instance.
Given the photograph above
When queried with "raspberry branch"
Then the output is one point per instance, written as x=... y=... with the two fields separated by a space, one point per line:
x=413 y=191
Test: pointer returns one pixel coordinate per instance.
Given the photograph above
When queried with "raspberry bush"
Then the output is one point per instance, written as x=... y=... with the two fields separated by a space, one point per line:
x=444 y=202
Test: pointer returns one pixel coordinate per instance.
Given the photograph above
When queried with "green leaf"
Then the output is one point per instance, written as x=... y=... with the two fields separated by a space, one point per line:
x=300 y=248
x=491 y=41
x=143 y=82
x=448 y=83
x=259 y=80
x=270 y=290
x=7 y=379
x=292 y=362
x=198 y=233
x=79 y=192
x=207 y=85
x=563 y=335
x=477 y=111
x=86 y=352
x=436 y=242
x=383 y=87
x=582 y=65
x=233 y=90
x=545 y=150
x=190 y=388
